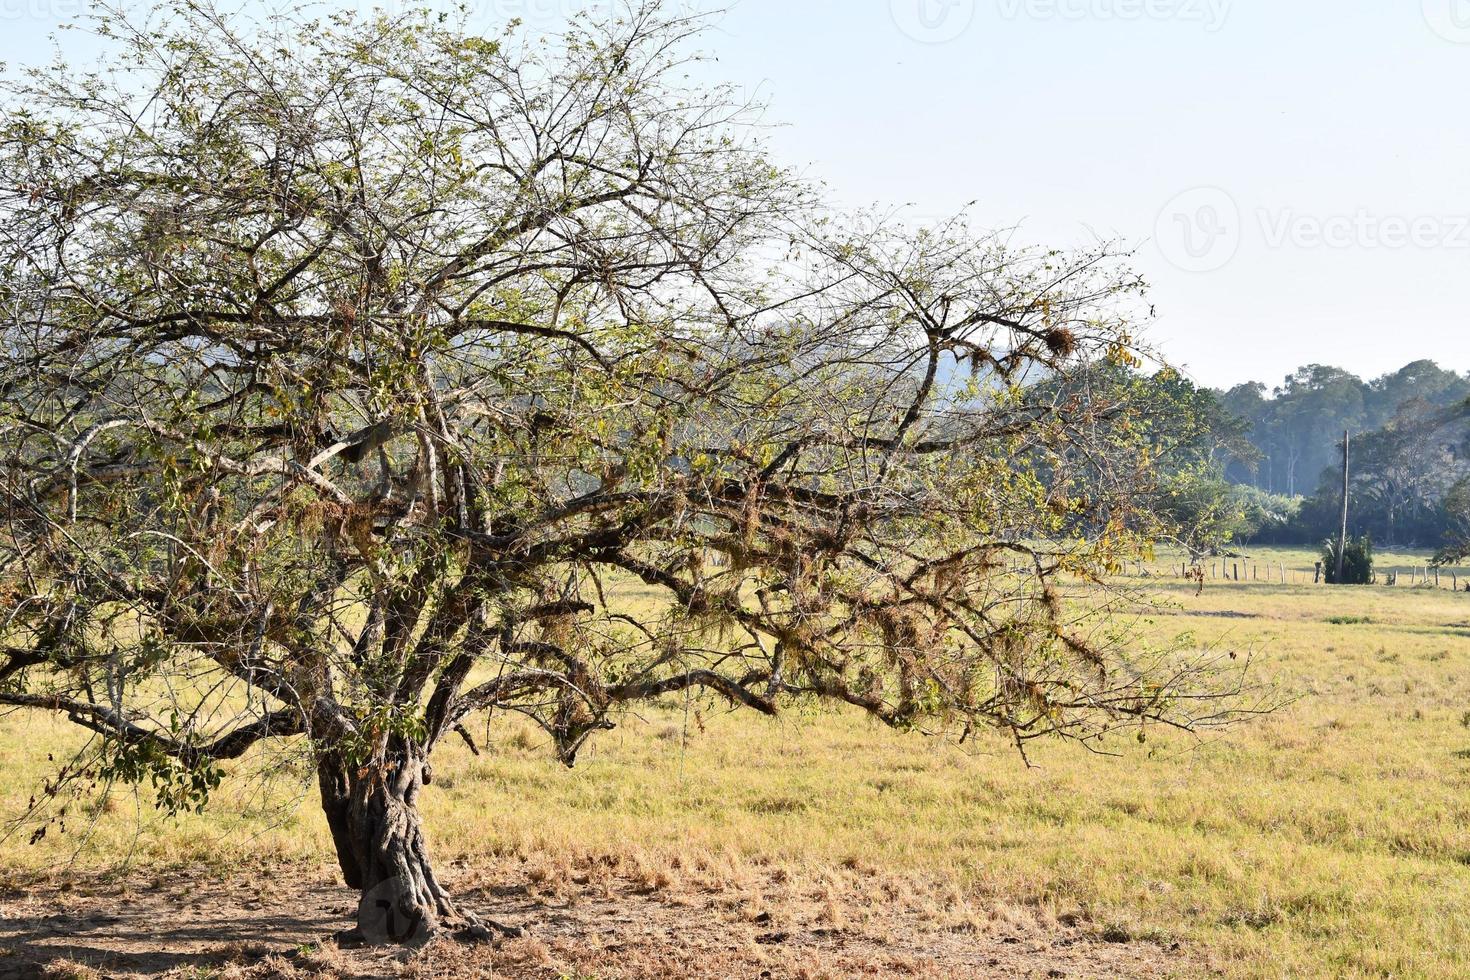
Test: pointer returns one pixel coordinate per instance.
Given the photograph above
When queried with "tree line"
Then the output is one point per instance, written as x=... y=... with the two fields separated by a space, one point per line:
x=1253 y=464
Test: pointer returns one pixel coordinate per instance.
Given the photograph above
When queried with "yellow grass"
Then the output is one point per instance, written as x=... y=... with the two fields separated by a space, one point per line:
x=1330 y=839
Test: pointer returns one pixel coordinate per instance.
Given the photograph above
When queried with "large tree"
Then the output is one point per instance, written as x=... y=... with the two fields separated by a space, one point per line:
x=1403 y=479
x=354 y=369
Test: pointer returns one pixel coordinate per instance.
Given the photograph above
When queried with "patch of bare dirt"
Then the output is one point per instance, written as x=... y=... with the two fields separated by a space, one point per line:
x=586 y=924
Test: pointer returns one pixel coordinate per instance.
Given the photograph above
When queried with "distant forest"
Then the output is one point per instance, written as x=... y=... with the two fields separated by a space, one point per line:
x=1260 y=464
x=1411 y=451
x=1263 y=465
x=1296 y=428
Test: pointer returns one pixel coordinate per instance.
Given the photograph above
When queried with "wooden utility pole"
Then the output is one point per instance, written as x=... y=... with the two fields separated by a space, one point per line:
x=1342 y=539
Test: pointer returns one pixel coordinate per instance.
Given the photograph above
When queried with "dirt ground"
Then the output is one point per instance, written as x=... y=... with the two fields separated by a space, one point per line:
x=281 y=923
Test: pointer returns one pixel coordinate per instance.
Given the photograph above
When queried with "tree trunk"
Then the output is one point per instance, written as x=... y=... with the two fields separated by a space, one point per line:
x=1346 y=487
x=374 y=818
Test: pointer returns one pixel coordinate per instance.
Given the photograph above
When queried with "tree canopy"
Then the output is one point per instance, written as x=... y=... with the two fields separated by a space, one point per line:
x=365 y=375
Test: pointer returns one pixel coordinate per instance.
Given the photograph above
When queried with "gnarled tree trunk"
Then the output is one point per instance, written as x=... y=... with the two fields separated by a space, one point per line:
x=374 y=817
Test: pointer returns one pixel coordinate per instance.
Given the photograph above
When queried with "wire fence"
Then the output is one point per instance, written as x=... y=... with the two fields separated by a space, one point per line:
x=1246 y=571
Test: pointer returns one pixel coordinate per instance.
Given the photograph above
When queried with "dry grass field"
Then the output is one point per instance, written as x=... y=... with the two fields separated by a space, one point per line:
x=1329 y=839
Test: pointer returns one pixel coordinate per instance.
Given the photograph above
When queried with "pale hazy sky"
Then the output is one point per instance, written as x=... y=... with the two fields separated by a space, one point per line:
x=1295 y=173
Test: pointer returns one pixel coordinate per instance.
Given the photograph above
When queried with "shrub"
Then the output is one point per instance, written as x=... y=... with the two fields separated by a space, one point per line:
x=1357 y=565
